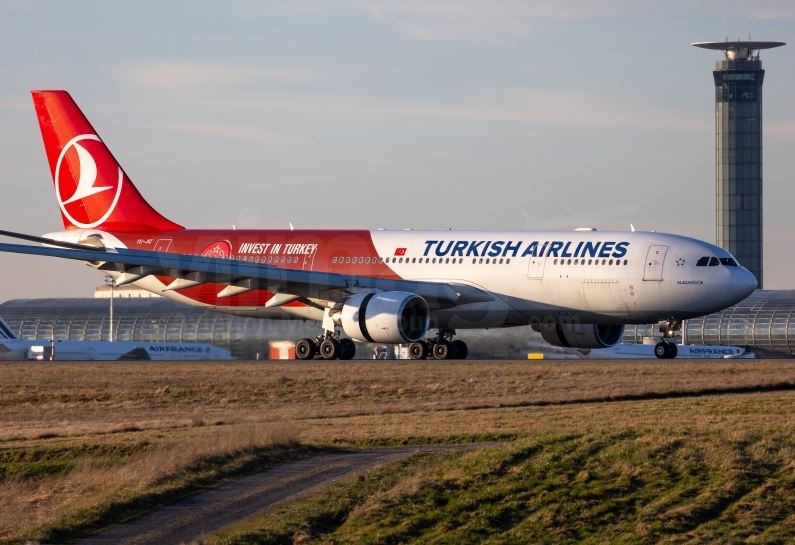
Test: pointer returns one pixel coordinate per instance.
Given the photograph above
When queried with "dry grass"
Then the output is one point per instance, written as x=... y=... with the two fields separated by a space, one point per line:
x=33 y=502
x=77 y=436
x=78 y=399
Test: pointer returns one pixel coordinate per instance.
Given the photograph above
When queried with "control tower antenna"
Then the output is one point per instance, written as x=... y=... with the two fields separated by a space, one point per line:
x=738 y=149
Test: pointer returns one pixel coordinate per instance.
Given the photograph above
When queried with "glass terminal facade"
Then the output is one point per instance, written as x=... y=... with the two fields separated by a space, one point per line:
x=738 y=160
x=765 y=322
x=160 y=319
x=155 y=319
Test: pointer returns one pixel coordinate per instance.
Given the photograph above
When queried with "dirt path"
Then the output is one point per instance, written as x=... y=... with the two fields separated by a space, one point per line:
x=208 y=512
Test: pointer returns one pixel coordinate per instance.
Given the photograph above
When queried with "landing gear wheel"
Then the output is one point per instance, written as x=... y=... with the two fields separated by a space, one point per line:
x=662 y=351
x=305 y=349
x=419 y=350
x=329 y=349
x=347 y=349
x=673 y=350
x=441 y=350
x=460 y=349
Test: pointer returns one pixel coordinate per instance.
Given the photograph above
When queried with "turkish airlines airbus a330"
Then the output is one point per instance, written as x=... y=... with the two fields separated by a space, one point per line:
x=578 y=288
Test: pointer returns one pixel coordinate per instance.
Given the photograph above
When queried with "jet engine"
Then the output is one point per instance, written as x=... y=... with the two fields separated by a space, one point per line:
x=581 y=335
x=392 y=317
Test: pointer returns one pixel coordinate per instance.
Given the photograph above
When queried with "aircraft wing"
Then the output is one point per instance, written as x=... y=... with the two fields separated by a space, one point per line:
x=240 y=276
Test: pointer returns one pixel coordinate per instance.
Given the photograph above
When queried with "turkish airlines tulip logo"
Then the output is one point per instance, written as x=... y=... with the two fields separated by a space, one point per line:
x=88 y=184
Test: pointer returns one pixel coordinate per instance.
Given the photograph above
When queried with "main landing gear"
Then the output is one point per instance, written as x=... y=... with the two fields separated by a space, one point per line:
x=328 y=346
x=442 y=347
x=666 y=348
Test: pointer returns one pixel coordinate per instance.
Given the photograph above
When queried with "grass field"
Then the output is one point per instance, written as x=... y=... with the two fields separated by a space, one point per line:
x=82 y=445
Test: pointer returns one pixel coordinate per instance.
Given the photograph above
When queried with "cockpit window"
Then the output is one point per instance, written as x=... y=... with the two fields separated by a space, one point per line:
x=702 y=262
x=729 y=262
x=713 y=262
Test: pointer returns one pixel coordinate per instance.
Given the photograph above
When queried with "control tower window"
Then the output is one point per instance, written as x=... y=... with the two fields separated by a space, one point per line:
x=702 y=262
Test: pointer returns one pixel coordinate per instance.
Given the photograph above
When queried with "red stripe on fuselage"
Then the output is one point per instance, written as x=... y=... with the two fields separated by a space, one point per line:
x=304 y=250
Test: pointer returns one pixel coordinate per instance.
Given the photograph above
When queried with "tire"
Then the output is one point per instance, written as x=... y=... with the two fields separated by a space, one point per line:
x=441 y=350
x=419 y=350
x=673 y=350
x=347 y=349
x=460 y=349
x=661 y=350
x=305 y=349
x=329 y=349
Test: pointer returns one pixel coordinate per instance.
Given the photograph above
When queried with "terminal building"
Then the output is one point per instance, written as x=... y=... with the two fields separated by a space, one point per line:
x=764 y=322
x=139 y=318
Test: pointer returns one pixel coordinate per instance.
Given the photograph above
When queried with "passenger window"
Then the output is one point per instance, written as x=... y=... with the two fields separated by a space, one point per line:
x=413 y=259
x=589 y=262
x=487 y=261
x=347 y=260
x=500 y=261
x=713 y=262
x=702 y=262
x=625 y=262
x=434 y=260
x=474 y=260
x=282 y=259
x=507 y=261
x=447 y=260
x=555 y=262
x=729 y=262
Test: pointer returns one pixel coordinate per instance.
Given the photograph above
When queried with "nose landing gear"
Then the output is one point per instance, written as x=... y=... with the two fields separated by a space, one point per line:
x=666 y=348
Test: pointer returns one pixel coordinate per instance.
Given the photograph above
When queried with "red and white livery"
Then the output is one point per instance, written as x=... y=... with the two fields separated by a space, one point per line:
x=577 y=287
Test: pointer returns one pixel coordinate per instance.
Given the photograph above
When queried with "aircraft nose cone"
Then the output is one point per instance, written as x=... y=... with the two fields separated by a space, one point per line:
x=744 y=283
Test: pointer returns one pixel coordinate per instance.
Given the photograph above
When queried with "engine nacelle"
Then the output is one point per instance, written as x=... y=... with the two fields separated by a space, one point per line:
x=581 y=335
x=392 y=317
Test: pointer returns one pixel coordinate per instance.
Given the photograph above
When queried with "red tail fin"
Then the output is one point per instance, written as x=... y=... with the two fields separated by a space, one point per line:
x=92 y=189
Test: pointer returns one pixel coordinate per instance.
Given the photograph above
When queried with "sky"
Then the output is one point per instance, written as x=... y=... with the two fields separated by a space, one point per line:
x=373 y=114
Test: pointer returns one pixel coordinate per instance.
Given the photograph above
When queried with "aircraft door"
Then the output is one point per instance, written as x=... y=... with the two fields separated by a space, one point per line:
x=653 y=268
x=162 y=245
x=536 y=267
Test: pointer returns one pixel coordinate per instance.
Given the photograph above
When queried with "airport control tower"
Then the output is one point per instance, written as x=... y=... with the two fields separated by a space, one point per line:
x=738 y=149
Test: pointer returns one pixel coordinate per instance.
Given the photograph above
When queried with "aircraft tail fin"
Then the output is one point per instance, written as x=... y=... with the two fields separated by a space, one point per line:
x=92 y=190
x=5 y=331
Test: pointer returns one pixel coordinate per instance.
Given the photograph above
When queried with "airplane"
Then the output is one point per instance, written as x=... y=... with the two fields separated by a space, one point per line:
x=632 y=351
x=12 y=348
x=577 y=288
